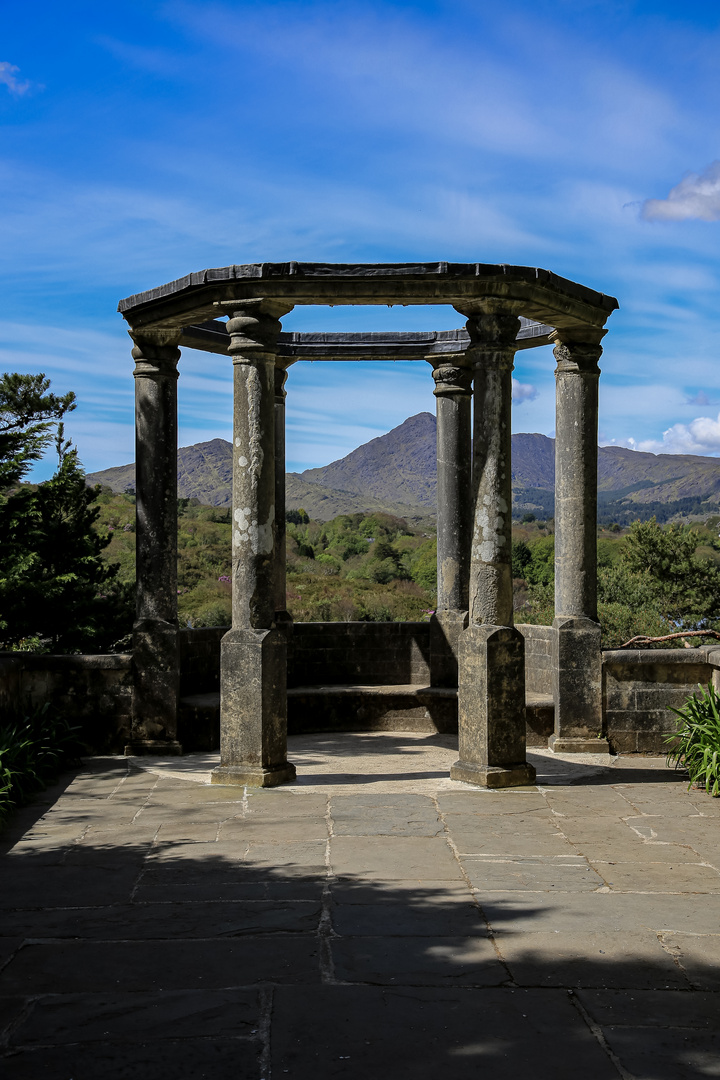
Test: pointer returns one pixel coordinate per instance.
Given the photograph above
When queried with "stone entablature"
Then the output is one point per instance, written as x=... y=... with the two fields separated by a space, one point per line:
x=474 y=642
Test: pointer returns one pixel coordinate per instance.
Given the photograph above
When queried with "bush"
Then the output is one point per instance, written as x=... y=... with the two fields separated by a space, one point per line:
x=34 y=748
x=695 y=746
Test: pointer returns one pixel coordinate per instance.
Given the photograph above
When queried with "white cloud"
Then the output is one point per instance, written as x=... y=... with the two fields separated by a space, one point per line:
x=700 y=436
x=696 y=196
x=523 y=392
x=8 y=78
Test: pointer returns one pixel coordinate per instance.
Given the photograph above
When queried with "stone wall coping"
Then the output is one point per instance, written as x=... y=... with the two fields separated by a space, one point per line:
x=617 y=657
x=38 y=661
x=366 y=627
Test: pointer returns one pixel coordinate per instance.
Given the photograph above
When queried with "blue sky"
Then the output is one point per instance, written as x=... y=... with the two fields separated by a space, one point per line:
x=143 y=140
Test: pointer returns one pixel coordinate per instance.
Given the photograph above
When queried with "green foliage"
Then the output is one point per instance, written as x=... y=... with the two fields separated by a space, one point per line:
x=54 y=584
x=620 y=623
x=541 y=569
x=695 y=746
x=296 y=517
x=521 y=558
x=27 y=417
x=423 y=566
x=34 y=748
x=663 y=562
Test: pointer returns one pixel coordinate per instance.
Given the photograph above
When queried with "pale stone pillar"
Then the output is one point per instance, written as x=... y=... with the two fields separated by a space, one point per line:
x=578 y=659
x=453 y=392
x=155 y=632
x=253 y=676
x=281 y=612
x=491 y=690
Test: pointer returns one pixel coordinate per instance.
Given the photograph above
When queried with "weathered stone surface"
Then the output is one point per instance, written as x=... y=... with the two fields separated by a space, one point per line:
x=445 y=961
x=578 y=682
x=453 y=393
x=91 y=1018
x=225 y=938
x=446 y=627
x=74 y=967
x=383 y=815
x=253 y=710
x=523 y=873
x=412 y=857
x=623 y=959
x=577 y=687
x=153 y=1059
x=491 y=708
x=561 y=911
x=155 y=658
x=659 y=877
x=498 y=1031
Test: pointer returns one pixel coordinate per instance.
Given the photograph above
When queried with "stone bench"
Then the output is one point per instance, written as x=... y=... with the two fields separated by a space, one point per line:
x=404 y=707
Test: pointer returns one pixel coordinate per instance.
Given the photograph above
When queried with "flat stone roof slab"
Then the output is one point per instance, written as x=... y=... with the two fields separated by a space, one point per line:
x=196 y=297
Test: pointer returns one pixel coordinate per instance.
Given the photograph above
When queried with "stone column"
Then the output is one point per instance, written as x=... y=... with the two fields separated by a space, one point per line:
x=253 y=669
x=453 y=392
x=491 y=690
x=155 y=633
x=283 y=618
x=578 y=659
x=281 y=612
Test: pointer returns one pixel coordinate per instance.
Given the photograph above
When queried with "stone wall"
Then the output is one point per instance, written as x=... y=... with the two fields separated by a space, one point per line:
x=199 y=659
x=96 y=691
x=639 y=688
x=361 y=653
x=539 y=645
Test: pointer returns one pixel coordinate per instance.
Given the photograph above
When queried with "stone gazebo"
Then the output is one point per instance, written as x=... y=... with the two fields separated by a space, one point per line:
x=474 y=640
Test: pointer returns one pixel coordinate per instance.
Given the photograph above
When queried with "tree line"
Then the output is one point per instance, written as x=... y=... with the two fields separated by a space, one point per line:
x=67 y=570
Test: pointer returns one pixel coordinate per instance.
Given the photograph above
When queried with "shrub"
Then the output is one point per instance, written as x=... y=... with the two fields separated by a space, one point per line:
x=695 y=745
x=34 y=748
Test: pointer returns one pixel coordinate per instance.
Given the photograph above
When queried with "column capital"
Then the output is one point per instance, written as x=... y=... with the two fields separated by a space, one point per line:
x=280 y=379
x=493 y=326
x=578 y=350
x=450 y=377
x=282 y=363
x=155 y=353
x=254 y=326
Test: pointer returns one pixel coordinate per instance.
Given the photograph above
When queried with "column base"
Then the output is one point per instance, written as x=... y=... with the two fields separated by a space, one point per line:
x=493 y=776
x=153 y=747
x=242 y=776
x=560 y=745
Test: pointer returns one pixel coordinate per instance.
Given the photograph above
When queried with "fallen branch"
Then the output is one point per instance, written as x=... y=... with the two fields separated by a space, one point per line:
x=642 y=640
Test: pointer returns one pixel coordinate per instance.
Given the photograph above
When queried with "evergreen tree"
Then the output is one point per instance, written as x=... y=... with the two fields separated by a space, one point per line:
x=27 y=417
x=55 y=587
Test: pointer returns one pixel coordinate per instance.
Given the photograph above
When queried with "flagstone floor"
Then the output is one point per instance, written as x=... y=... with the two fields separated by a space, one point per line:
x=374 y=918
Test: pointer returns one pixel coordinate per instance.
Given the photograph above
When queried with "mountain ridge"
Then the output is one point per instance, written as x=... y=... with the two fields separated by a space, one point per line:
x=396 y=472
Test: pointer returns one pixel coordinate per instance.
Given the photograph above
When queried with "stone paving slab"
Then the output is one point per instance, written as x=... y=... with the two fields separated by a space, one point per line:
x=422 y=1034
x=376 y=918
x=130 y=1059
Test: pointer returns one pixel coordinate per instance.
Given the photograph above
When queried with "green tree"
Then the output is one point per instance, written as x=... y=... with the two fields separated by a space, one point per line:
x=28 y=414
x=55 y=586
x=665 y=572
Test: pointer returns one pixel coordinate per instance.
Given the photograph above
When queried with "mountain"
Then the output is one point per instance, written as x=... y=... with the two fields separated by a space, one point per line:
x=395 y=468
x=396 y=473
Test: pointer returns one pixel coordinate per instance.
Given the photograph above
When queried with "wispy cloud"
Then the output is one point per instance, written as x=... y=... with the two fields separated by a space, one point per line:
x=697 y=196
x=8 y=77
x=523 y=392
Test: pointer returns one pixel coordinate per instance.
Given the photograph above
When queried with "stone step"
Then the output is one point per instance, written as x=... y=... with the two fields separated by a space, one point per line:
x=404 y=707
